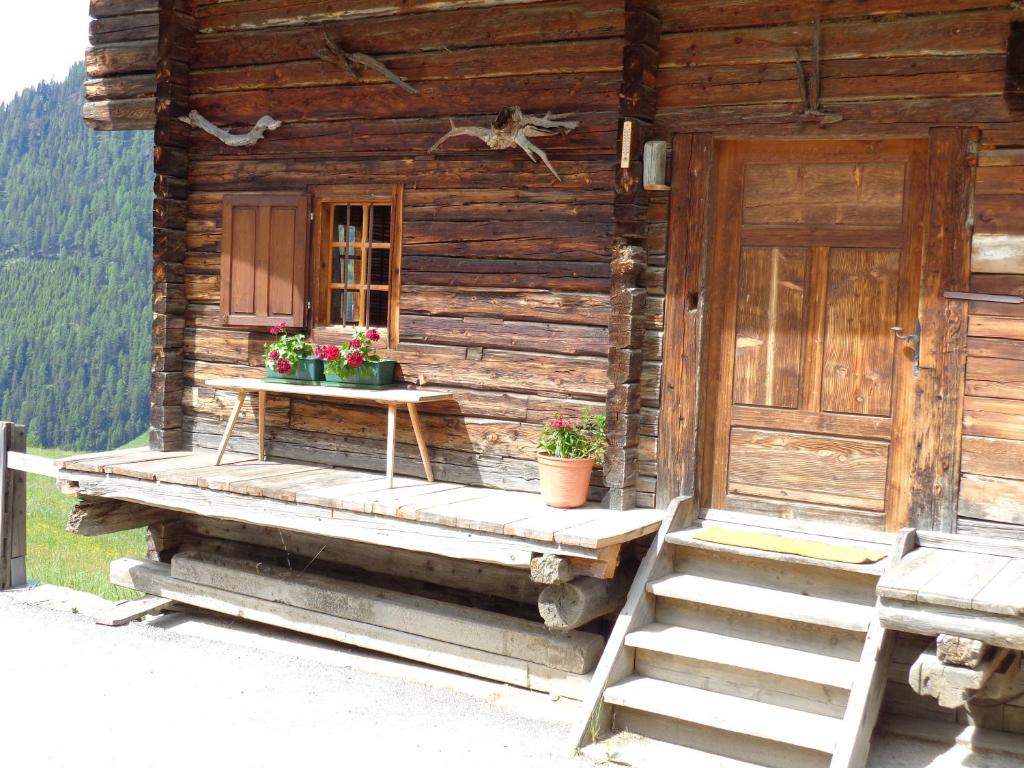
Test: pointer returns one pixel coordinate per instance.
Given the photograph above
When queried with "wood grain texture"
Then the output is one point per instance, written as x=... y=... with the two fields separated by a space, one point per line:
x=772 y=303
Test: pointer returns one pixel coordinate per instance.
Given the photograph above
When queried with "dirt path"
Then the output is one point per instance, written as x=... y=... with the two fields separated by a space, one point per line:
x=203 y=693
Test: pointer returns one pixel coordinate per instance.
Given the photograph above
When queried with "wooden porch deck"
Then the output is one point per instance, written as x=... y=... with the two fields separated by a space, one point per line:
x=450 y=519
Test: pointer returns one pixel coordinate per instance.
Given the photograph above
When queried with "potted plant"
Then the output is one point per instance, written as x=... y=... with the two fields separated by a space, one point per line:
x=356 y=363
x=568 y=450
x=290 y=358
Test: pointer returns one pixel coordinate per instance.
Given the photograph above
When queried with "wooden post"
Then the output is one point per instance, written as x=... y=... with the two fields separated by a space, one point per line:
x=12 y=509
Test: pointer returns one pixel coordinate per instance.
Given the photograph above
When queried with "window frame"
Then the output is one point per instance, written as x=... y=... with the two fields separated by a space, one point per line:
x=324 y=199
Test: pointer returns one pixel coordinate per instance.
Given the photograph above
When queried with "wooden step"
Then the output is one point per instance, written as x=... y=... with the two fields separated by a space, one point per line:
x=686 y=539
x=764 y=601
x=632 y=749
x=726 y=713
x=744 y=654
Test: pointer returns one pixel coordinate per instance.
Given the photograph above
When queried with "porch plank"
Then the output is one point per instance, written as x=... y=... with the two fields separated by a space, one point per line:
x=1003 y=594
x=956 y=586
x=149 y=468
x=281 y=487
x=545 y=525
x=221 y=478
x=613 y=527
x=459 y=514
x=418 y=508
x=100 y=462
x=917 y=569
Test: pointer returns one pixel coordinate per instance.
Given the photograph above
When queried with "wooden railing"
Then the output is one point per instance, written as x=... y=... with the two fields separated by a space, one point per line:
x=14 y=465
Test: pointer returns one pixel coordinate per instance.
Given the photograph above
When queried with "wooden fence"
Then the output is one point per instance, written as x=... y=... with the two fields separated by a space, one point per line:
x=14 y=465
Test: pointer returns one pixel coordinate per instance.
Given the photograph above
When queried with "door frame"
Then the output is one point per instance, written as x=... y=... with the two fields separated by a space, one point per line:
x=932 y=469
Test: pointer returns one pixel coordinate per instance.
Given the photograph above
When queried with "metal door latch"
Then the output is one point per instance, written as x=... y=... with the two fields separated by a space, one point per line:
x=915 y=343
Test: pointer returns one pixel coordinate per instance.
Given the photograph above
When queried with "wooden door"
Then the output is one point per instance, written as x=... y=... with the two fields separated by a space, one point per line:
x=816 y=255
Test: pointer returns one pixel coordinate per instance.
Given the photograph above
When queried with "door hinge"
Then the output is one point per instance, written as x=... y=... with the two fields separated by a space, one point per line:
x=310 y=215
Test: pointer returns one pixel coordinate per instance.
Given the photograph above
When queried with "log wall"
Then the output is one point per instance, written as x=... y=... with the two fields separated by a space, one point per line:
x=992 y=466
x=505 y=271
x=121 y=64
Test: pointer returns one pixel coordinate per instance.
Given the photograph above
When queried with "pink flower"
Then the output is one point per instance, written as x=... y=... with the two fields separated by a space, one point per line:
x=354 y=359
x=355 y=344
x=274 y=354
x=556 y=423
x=373 y=335
x=279 y=328
x=328 y=352
x=283 y=366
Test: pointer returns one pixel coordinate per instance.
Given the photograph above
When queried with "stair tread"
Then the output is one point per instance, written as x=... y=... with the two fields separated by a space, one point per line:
x=636 y=750
x=765 y=601
x=726 y=713
x=745 y=654
x=686 y=539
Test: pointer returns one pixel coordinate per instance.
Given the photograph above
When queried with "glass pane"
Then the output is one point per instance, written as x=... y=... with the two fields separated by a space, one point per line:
x=354 y=273
x=348 y=223
x=378 y=315
x=380 y=217
x=380 y=262
x=344 y=307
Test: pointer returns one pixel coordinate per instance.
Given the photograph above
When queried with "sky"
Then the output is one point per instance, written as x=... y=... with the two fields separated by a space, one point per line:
x=39 y=40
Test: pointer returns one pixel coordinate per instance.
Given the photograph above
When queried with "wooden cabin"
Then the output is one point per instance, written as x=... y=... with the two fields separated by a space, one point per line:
x=780 y=245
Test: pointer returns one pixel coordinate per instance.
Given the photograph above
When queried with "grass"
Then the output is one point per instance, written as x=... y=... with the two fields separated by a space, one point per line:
x=55 y=556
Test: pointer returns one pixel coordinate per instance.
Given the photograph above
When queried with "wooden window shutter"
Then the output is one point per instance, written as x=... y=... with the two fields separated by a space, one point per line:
x=264 y=250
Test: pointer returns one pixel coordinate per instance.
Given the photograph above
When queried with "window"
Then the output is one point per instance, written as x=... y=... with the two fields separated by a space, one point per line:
x=355 y=281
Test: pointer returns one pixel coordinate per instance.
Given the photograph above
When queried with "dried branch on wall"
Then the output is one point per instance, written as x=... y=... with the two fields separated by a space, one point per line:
x=511 y=128
x=810 y=88
x=335 y=54
x=254 y=134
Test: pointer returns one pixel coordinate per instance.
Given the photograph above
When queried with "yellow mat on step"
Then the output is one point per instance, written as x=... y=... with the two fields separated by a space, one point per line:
x=764 y=541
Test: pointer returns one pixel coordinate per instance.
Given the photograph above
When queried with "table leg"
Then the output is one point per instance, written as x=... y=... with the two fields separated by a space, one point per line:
x=231 y=424
x=392 y=419
x=417 y=428
x=262 y=422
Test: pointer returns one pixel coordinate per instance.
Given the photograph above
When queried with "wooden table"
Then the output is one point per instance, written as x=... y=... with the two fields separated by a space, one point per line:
x=392 y=397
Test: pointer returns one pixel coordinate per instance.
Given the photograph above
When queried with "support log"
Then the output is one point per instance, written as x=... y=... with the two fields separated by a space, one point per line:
x=571 y=605
x=156 y=579
x=95 y=517
x=960 y=651
x=576 y=652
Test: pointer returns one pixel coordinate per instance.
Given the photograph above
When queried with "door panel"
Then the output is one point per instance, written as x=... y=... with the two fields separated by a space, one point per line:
x=771 y=302
x=806 y=384
x=863 y=293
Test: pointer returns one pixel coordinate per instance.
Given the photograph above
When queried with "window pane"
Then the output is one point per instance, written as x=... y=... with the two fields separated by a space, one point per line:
x=348 y=223
x=378 y=314
x=380 y=262
x=381 y=226
x=344 y=307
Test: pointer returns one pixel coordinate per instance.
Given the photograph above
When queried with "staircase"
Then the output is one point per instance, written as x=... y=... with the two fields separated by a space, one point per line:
x=730 y=657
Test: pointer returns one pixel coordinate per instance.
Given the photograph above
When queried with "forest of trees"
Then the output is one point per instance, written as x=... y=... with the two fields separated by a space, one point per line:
x=75 y=255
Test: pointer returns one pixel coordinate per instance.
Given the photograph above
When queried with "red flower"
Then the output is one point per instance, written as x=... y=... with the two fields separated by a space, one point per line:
x=279 y=328
x=328 y=352
x=556 y=423
x=354 y=359
x=372 y=335
x=355 y=344
x=274 y=354
x=283 y=366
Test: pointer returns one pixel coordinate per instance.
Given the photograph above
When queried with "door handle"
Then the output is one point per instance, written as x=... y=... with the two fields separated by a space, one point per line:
x=915 y=343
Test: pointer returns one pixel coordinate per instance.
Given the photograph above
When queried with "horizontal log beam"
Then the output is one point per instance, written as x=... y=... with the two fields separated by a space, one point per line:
x=95 y=517
x=120 y=114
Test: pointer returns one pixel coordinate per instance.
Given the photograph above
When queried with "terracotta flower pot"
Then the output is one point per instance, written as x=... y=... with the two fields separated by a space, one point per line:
x=564 y=482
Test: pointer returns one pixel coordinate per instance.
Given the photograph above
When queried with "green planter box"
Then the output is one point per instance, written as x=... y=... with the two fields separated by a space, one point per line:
x=377 y=375
x=308 y=370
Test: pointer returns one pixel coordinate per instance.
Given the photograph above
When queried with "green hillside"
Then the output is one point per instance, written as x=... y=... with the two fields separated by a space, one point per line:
x=75 y=245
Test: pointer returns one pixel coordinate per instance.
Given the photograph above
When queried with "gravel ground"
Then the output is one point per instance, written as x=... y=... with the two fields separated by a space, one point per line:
x=210 y=692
